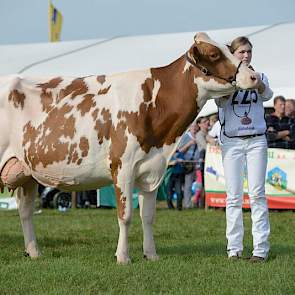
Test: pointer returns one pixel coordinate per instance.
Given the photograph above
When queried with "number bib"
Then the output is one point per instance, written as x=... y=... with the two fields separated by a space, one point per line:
x=243 y=114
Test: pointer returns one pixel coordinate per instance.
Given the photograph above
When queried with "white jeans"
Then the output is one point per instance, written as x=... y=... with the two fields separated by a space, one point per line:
x=236 y=155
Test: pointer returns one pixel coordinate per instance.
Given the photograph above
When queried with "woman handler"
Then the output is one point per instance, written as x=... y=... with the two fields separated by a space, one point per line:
x=244 y=149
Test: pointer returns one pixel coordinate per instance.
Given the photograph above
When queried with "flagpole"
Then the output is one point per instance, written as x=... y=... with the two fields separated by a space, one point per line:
x=49 y=21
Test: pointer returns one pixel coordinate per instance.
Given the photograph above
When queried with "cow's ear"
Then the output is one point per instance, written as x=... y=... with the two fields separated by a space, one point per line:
x=201 y=36
x=229 y=48
x=196 y=53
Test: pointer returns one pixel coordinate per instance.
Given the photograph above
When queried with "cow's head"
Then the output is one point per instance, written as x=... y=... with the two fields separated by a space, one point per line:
x=217 y=71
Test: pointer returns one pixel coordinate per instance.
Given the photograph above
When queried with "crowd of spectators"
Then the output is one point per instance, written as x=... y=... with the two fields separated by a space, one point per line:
x=189 y=160
x=281 y=124
x=187 y=166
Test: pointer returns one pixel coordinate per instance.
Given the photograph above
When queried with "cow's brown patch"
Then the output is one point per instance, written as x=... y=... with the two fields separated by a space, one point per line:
x=47 y=99
x=119 y=115
x=30 y=135
x=18 y=98
x=104 y=90
x=86 y=104
x=77 y=87
x=175 y=107
x=118 y=146
x=72 y=150
x=84 y=146
x=51 y=84
x=121 y=202
x=50 y=141
x=147 y=88
x=75 y=157
x=103 y=128
x=101 y=79
x=94 y=114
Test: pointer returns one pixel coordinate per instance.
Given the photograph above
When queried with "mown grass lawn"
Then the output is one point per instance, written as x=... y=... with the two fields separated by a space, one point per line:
x=78 y=255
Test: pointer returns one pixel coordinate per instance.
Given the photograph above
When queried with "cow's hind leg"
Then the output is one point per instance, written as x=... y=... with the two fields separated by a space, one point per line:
x=124 y=207
x=147 y=204
x=25 y=200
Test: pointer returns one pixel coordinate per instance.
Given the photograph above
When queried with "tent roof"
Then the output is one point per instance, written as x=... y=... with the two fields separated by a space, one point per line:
x=118 y=54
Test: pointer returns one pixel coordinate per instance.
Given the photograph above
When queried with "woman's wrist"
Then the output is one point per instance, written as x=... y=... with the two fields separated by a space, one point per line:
x=261 y=87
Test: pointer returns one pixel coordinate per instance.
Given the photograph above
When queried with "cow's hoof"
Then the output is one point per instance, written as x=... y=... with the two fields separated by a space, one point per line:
x=123 y=260
x=154 y=257
x=32 y=250
x=33 y=254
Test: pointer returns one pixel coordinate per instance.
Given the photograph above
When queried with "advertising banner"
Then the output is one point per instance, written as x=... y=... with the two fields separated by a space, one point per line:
x=279 y=180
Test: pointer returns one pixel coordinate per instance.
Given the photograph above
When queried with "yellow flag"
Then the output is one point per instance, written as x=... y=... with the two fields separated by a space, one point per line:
x=55 y=23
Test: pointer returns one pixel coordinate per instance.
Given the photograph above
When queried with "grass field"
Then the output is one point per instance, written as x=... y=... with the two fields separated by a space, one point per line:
x=78 y=255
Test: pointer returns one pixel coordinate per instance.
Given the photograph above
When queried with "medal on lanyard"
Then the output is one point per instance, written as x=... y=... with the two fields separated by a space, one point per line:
x=246 y=120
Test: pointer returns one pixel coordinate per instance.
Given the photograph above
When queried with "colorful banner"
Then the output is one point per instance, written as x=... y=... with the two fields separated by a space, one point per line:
x=55 y=23
x=279 y=181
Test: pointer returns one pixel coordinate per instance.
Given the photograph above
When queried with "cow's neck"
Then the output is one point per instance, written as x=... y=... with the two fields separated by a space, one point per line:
x=169 y=106
x=176 y=99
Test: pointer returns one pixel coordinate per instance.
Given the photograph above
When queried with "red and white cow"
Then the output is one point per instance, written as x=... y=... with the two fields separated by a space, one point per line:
x=88 y=132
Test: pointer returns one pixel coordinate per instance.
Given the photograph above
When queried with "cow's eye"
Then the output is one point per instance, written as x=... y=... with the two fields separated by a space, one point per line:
x=214 y=56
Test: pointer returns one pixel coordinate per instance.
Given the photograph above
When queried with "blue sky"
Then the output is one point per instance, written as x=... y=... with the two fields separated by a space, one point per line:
x=26 y=21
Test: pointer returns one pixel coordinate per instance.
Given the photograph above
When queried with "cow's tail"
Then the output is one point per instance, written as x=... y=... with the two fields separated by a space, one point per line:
x=5 y=85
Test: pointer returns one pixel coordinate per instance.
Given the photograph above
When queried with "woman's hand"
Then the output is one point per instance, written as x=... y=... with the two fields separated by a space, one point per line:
x=261 y=87
x=259 y=84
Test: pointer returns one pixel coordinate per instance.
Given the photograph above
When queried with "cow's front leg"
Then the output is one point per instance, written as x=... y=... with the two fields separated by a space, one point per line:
x=147 y=204
x=25 y=200
x=124 y=207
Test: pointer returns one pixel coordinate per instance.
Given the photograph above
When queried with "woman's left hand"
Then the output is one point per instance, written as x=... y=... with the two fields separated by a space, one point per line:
x=260 y=85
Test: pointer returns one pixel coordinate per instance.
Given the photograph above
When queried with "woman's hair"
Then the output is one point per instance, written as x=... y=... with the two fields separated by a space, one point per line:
x=237 y=42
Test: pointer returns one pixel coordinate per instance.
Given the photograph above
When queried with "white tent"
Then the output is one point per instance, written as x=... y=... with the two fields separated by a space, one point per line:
x=274 y=46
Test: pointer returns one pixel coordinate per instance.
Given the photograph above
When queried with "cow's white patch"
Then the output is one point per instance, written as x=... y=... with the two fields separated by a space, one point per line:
x=186 y=67
x=47 y=132
x=211 y=89
x=156 y=88
x=128 y=83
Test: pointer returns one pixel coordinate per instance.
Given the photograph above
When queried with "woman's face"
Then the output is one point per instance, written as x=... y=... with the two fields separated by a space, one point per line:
x=244 y=54
x=194 y=129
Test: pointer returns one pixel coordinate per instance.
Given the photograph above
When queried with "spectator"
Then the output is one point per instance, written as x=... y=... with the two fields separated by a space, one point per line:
x=280 y=128
x=203 y=123
x=213 y=136
x=290 y=108
x=176 y=181
x=204 y=126
x=212 y=120
x=189 y=148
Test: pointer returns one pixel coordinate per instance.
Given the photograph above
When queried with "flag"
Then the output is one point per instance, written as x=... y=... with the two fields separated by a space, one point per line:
x=55 y=23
